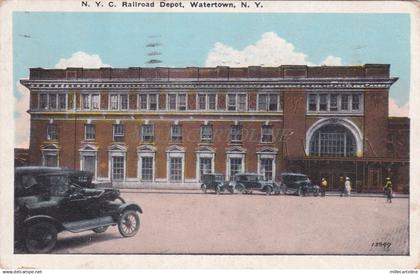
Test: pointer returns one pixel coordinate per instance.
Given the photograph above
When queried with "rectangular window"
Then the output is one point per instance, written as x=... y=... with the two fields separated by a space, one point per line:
x=206 y=133
x=90 y=132
x=51 y=160
x=333 y=102
x=85 y=101
x=175 y=169
x=52 y=133
x=61 y=101
x=118 y=132
x=43 y=101
x=323 y=102
x=262 y=102
x=147 y=133
x=143 y=101
x=205 y=165
x=152 y=102
x=176 y=133
x=266 y=168
x=53 y=101
x=355 y=102
x=344 y=102
x=201 y=101
x=236 y=133
x=117 y=168
x=95 y=101
x=124 y=101
x=89 y=163
x=114 y=102
x=172 y=101
x=242 y=102
x=273 y=102
x=147 y=168
x=235 y=166
x=267 y=134
x=312 y=102
x=182 y=101
x=231 y=102
x=212 y=101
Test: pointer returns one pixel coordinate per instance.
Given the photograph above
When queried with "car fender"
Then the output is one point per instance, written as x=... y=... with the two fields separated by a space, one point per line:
x=43 y=218
x=129 y=206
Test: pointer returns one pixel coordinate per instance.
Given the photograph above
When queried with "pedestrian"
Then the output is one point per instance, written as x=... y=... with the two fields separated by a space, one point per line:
x=341 y=185
x=347 y=186
x=388 y=190
x=324 y=185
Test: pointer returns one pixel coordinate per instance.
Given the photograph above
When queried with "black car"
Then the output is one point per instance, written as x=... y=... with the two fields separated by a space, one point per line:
x=247 y=182
x=215 y=182
x=51 y=200
x=297 y=183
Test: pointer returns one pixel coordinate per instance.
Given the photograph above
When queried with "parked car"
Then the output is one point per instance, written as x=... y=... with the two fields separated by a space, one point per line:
x=247 y=182
x=51 y=200
x=297 y=183
x=215 y=182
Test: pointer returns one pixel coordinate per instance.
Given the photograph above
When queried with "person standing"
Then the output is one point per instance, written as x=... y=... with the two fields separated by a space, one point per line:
x=347 y=186
x=324 y=185
x=388 y=190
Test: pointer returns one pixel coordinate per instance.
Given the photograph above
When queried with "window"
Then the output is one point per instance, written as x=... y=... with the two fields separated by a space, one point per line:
x=235 y=166
x=333 y=102
x=267 y=134
x=206 y=133
x=202 y=102
x=114 y=102
x=205 y=165
x=266 y=168
x=312 y=102
x=262 y=102
x=90 y=132
x=62 y=101
x=43 y=101
x=117 y=168
x=344 y=102
x=172 y=101
x=231 y=102
x=273 y=102
x=355 y=102
x=147 y=168
x=53 y=101
x=242 y=102
x=236 y=133
x=333 y=140
x=175 y=169
x=152 y=101
x=118 y=132
x=89 y=163
x=268 y=102
x=51 y=160
x=147 y=133
x=143 y=101
x=124 y=101
x=52 y=133
x=323 y=102
x=212 y=101
x=182 y=101
x=95 y=101
x=176 y=133
x=85 y=101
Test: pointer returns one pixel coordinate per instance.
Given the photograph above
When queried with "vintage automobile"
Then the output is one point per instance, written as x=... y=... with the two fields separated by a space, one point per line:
x=296 y=183
x=51 y=200
x=245 y=183
x=215 y=182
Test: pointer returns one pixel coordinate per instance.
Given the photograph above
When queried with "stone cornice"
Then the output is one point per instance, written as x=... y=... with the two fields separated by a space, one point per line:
x=207 y=84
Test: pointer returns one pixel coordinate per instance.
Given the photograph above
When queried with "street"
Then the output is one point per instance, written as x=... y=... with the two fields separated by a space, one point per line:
x=190 y=222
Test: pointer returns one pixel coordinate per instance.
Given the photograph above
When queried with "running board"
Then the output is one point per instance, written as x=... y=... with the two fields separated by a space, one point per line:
x=88 y=224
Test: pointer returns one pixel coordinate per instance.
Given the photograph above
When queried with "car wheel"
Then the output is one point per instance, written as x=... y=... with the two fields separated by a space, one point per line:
x=100 y=229
x=283 y=189
x=300 y=191
x=230 y=189
x=204 y=188
x=129 y=223
x=316 y=193
x=218 y=190
x=40 y=237
x=268 y=190
x=240 y=188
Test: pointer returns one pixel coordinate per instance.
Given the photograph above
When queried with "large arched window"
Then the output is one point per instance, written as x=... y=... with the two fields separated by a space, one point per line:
x=333 y=140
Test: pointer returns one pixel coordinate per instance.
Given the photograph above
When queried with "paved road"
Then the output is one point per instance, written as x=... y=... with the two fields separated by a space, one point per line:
x=176 y=222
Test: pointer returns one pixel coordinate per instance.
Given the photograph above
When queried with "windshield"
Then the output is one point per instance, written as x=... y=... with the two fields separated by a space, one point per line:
x=219 y=177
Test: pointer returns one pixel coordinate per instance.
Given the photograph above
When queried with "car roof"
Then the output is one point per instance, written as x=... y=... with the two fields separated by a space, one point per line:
x=248 y=173
x=41 y=170
x=293 y=174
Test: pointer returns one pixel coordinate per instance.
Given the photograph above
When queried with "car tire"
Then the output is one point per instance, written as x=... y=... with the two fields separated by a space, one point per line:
x=204 y=188
x=41 y=237
x=100 y=229
x=218 y=190
x=300 y=192
x=283 y=189
x=129 y=223
x=230 y=189
x=268 y=190
x=240 y=188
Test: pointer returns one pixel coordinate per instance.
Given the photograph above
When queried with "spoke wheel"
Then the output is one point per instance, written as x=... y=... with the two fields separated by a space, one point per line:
x=204 y=188
x=218 y=190
x=240 y=188
x=268 y=190
x=41 y=237
x=129 y=223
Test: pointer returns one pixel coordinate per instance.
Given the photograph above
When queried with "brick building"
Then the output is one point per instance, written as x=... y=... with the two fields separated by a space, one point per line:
x=141 y=127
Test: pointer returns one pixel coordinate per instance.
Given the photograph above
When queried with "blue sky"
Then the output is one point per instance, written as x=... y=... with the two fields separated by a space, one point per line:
x=42 y=39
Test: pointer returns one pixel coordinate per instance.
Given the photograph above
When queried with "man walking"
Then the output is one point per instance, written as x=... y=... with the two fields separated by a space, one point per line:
x=324 y=185
x=388 y=190
x=347 y=186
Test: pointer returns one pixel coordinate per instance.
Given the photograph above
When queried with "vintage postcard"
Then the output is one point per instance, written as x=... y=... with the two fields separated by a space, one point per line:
x=209 y=134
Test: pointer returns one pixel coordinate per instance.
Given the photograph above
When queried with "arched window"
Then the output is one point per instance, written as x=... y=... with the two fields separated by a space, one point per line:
x=333 y=140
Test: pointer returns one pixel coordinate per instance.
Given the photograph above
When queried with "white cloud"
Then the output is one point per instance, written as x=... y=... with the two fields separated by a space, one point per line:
x=81 y=59
x=396 y=110
x=22 y=119
x=270 y=50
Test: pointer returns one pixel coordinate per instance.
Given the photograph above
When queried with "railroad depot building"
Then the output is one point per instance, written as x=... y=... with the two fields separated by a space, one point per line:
x=145 y=127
